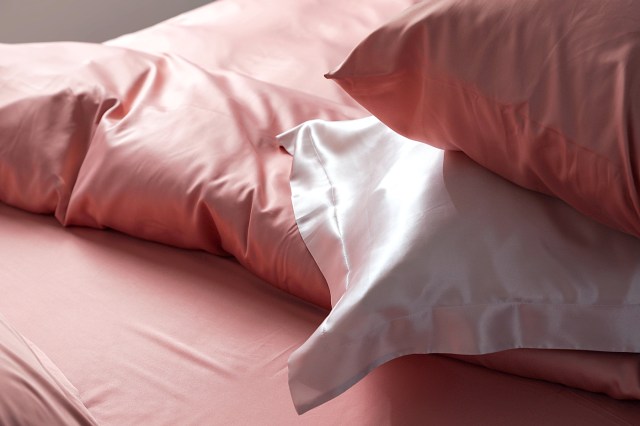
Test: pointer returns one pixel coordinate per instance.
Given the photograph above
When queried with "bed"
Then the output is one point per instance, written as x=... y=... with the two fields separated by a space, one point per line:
x=198 y=227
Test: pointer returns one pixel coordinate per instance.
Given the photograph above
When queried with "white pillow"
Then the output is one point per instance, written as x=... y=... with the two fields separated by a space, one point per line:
x=427 y=252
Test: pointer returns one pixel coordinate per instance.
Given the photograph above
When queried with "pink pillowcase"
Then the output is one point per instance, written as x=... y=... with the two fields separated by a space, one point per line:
x=33 y=390
x=189 y=158
x=543 y=92
x=49 y=109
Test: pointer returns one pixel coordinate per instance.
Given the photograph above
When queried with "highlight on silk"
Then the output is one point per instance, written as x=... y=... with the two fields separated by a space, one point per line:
x=293 y=212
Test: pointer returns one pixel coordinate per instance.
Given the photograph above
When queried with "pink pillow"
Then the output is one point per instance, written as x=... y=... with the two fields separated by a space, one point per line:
x=33 y=391
x=160 y=149
x=189 y=158
x=425 y=251
x=543 y=92
x=49 y=109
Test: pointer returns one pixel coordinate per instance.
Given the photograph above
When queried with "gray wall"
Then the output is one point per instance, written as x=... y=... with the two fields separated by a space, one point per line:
x=83 y=20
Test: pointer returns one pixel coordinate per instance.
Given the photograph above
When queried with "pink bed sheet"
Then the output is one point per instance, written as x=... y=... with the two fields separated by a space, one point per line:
x=154 y=335
x=151 y=334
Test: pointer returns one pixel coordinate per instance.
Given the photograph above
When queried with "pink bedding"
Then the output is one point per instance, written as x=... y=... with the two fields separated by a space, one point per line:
x=59 y=108
x=440 y=255
x=157 y=335
x=32 y=389
x=291 y=44
x=543 y=93
x=150 y=334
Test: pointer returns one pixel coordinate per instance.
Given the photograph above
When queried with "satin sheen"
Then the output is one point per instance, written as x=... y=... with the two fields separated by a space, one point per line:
x=154 y=335
x=189 y=158
x=425 y=251
x=543 y=92
x=152 y=316
x=290 y=45
x=50 y=105
x=106 y=144
x=178 y=153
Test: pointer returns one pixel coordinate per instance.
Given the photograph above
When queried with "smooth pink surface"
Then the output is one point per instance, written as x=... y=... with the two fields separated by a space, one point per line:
x=291 y=43
x=541 y=92
x=109 y=310
x=218 y=183
x=32 y=390
x=189 y=158
x=151 y=334
x=615 y=374
x=50 y=102
x=158 y=148
x=439 y=255
x=217 y=36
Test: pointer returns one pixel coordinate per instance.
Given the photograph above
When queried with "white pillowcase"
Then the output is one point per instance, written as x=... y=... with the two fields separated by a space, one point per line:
x=427 y=252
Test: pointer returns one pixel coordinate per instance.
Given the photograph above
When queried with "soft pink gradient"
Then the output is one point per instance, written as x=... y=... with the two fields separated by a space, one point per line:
x=613 y=373
x=151 y=334
x=189 y=158
x=291 y=43
x=439 y=255
x=158 y=148
x=33 y=391
x=51 y=101
x=543 y=92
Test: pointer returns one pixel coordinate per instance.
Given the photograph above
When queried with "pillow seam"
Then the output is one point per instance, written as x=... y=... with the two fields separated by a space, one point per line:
x=334 y=206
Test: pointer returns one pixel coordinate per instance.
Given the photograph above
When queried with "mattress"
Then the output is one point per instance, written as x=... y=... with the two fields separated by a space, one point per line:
x=153 y=334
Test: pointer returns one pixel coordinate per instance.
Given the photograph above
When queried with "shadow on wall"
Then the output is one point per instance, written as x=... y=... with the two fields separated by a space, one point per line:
x=23 y=21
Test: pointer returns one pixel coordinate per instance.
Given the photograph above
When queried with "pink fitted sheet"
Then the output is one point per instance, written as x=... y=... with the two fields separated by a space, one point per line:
x=155 y=335
x=150 y=334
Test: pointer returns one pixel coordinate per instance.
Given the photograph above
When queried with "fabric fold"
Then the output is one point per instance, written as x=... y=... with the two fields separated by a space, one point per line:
x=444 y=257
